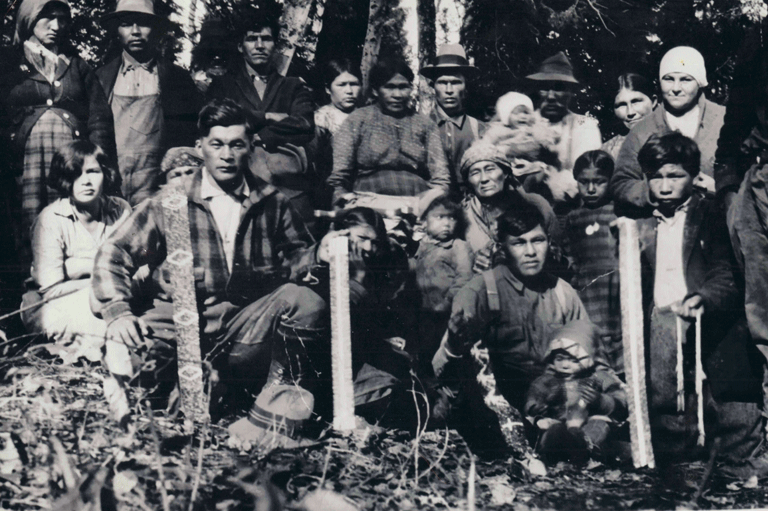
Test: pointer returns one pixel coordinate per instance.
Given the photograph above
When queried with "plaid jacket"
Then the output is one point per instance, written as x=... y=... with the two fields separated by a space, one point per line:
x=271 y=245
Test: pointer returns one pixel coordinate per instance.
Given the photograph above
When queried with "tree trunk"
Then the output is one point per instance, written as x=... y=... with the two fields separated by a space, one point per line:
x=372 y=39
x=449 y=19
x=294 y=24
x=190 y=17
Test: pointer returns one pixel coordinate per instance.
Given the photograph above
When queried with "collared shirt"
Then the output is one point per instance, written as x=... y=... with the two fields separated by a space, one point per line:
x=137 y=79
x=259 y=82
x=687 y=124
x=457 y=134
x=669 y=285
x=226 y=209
x=61 y=245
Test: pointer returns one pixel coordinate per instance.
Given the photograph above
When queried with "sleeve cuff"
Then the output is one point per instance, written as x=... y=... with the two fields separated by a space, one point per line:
x=116 y=310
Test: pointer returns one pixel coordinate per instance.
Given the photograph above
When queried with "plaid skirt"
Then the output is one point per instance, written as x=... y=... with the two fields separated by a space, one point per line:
x=391 y=182
x=48 y=134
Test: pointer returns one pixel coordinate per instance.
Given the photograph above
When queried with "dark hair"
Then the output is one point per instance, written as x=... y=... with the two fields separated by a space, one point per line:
x=446 y=202
x=598 y=159
x=222 y=112
x=386 y=68
x=335 y=67
x=67 y=166
x=519 y=220
x=636 y=82
x=254 y=19
x=362 y=216
x=674 y=148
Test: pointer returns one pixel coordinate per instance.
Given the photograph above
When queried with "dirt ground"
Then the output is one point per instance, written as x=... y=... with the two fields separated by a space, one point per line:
x=60 y=449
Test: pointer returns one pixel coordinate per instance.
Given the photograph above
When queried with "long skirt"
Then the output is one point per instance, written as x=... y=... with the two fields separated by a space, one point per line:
x=48 y=134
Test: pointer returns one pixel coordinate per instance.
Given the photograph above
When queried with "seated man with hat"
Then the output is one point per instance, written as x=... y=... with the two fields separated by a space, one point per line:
x=574 y=134
x=154 y=102
x=448 y=76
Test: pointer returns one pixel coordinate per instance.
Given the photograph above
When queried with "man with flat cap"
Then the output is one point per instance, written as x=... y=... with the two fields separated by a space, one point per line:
x=154 y=102
x=449 y=76
x=554 y=86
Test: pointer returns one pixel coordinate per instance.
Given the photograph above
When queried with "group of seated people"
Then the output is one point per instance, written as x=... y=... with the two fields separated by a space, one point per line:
x=460 y=232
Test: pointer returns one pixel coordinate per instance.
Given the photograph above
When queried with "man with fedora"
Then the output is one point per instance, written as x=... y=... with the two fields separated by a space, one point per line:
x=573 y=134
x=154 y=103
x=448 y=76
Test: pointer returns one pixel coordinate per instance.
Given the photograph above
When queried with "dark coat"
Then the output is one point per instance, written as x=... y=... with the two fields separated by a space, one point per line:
x=709 y=268
x=286 y=95
x=24 y=96
x=179 y=97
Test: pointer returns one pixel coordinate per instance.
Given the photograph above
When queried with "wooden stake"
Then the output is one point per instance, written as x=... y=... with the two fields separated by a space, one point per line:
x=679 y=366
x=185 y=316
x=699 y=380
x=341 y=336
x=634 y=342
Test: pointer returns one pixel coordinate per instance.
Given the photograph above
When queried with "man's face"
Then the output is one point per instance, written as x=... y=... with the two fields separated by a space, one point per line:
x=526 y=254
x=449 y=93
x=257 y=47
x=670 y=186
x=225 y=150
x=555 y=98
x=134 y=33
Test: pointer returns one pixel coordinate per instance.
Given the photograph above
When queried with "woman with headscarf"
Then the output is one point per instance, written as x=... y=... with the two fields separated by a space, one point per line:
x=48 y=97
x=684 y=108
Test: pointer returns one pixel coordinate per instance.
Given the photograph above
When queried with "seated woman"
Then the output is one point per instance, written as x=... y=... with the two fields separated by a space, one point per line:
x=66 y=236
x=387 y=148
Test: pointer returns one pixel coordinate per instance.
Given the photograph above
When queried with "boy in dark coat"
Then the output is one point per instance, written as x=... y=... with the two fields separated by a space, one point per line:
x=577 y=397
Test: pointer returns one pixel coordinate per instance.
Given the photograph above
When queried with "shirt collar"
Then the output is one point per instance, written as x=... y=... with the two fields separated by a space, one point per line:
x=440 y=117
x=439 y=243
x=514 y=281
x=253 y=74
x=209 y=188
x=682 y=209
x=130 y=63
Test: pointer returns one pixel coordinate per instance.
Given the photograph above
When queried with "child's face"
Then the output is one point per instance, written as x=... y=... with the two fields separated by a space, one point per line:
x=565 y=363
x=593 y=186
x=440 y=223
x=670 y=186
x=521 y=115
x=179 y=172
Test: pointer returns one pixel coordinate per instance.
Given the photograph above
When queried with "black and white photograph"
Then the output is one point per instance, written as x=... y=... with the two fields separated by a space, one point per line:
x=358 y=255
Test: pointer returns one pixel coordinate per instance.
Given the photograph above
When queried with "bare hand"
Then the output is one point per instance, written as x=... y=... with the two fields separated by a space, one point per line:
x=482 y=260
x=357 y=267
x=128 y=330
x=704 y=182
x=588 y=391
x=688 y=308
x=275 y=117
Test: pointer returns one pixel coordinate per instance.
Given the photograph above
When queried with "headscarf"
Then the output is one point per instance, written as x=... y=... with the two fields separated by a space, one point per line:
x=508 y=102
x=180 y=157
x=580 y=340
x=28 y=14
x=684 y=59
x=482 y=151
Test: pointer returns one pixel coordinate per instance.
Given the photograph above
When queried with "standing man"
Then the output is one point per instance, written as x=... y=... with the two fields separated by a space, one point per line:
x=154 y=103
x=281 y=107
x=448 y=76
x=573 y=134
x=259 y=331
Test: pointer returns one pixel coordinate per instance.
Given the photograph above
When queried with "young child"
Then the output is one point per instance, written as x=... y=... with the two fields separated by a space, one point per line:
x=688 y=268
x=577 y=398
x=442 y=265
x=591 y=246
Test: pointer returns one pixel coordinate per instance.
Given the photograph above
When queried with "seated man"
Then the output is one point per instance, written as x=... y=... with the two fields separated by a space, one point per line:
x=515 y=308
x=257 y=330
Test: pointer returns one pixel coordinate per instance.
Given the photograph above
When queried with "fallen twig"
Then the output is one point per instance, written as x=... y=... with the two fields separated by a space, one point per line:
x=158 y=460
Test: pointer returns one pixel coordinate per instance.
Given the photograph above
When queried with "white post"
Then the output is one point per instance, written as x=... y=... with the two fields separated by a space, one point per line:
x=341 y=336
x=449 y=19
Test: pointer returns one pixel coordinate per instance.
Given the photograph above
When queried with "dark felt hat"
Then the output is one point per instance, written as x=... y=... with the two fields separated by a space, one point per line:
x=450 y=58
x=124 y=8
x=556 y=68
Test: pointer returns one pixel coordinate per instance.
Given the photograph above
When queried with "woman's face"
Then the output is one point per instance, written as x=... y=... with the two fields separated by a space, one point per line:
x=344 y=91
x=89 y=186
x=394 y=95
x=486 y=179
x=680 y=91
x=364 y=237
x=630 y=106
x=51 y=24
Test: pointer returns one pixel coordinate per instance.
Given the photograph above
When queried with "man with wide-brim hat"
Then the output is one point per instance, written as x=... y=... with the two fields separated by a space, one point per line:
x=154 y=102
x=448 y=75
x=553 y=86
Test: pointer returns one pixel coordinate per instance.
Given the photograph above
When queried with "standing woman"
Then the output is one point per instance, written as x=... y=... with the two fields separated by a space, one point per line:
x=634 y=100
x=387 y=148
x=48 y=97
x=66 y=236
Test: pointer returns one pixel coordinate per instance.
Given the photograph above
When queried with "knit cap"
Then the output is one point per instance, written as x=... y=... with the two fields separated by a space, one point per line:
x=180 y=157
x=579 y=339
x=508 y=102
x=482 y=151
x=684 y=59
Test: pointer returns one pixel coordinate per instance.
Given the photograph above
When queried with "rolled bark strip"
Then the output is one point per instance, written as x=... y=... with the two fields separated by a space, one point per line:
x=633 y=335
x=185 y=316
x=341 y=336
x=699 y=380
x=679 y=365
